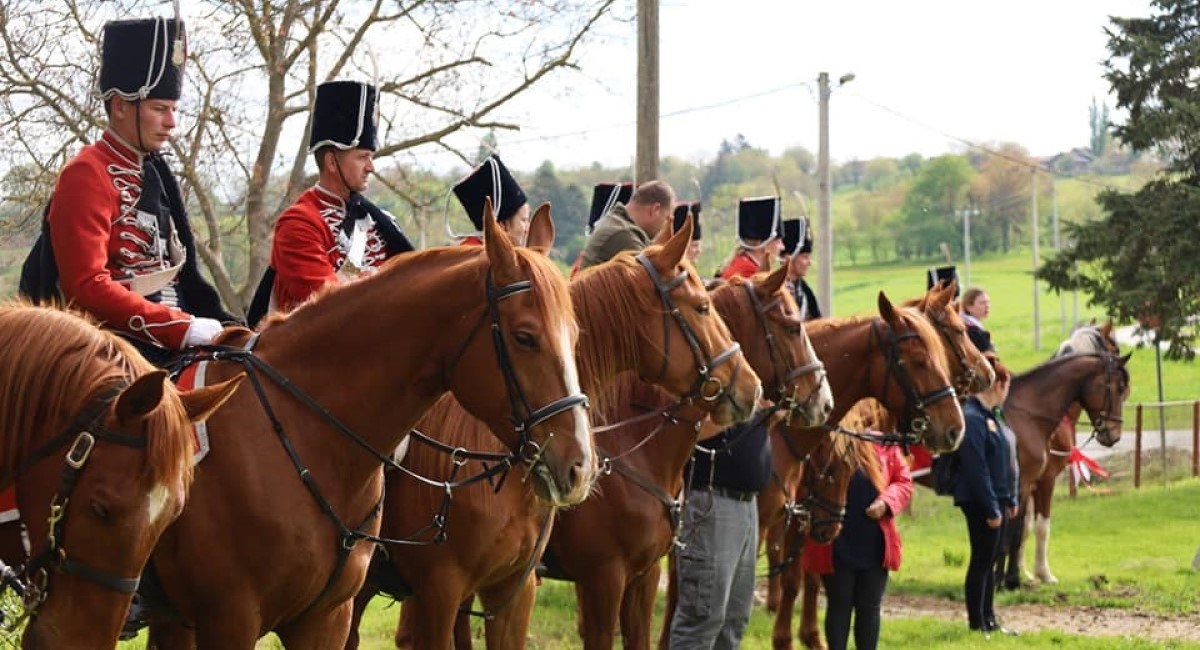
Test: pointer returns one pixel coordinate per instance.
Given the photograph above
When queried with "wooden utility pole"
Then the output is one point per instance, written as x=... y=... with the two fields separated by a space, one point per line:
x=1037 y=316
x=646 y=165
x=824 y=218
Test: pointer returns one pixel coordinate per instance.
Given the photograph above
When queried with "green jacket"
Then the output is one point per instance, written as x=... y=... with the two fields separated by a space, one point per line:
x=614 y=233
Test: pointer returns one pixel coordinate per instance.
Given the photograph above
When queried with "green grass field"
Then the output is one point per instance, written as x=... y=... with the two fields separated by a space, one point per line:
x=1129 y=550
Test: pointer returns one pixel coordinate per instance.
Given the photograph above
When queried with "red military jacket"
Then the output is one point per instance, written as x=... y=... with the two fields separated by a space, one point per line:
x=310 y=247
x=741 y=266
x=98 y=241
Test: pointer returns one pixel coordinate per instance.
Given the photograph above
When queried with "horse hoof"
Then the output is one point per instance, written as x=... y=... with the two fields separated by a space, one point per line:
x=813 y=642
x=782 y=644
x=1049 y=579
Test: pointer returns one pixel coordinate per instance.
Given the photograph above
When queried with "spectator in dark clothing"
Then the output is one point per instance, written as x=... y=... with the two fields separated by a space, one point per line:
x=987 y=494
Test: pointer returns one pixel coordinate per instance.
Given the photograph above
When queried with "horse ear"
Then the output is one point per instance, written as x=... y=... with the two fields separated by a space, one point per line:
x=886 y=310
x=1106 y=329
x=771 y=285
x=666 y=232
x=500 y=250
x=200 y=403
x=541 y=230
x=141 y=397
x=1125 y=359
x=675 y=247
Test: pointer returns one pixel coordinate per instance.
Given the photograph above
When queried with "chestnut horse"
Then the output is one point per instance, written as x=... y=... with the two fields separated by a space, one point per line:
x=98 y=445
x=1054 y=454
x=612 y=544
x=971 y=373
x=496 y=532
x=897 y=358
x=277 y=533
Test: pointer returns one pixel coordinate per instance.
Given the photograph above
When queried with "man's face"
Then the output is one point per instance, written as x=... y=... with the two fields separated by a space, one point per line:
x=357 y=166
x=799 y=265
x=147 y=123
x=693 y=251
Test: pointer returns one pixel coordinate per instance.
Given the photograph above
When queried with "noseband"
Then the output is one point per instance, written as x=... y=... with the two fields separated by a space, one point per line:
x=1106 y=414
x=965 y=380
x=81 y=434
x=916 y=402
x=781 y=363
x=708 y=386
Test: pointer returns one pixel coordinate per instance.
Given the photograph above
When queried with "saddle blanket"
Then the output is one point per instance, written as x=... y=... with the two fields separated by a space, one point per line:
x=192 y=377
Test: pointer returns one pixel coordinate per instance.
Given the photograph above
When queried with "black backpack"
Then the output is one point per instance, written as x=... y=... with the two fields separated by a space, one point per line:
x=945 y=473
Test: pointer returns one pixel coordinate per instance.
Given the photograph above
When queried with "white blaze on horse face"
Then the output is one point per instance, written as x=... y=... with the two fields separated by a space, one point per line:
x=156 y=502
x=571 y=379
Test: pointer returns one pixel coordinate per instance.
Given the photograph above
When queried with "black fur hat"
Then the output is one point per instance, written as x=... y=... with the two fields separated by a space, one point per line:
x=797 y=236
x=142 y=59
x=604 y=197
x=945 y=274
x=490 y=178
x=758 y=218
x=346 y=116
x=681 y=213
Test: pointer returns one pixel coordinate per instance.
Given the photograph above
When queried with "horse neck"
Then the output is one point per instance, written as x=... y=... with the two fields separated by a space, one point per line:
x=375 y=352
x=664 y=456
x=608 y=340
x=847 y=348
x=1058 y=383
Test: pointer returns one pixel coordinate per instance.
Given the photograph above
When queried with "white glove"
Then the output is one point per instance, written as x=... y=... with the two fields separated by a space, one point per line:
x=202 y=331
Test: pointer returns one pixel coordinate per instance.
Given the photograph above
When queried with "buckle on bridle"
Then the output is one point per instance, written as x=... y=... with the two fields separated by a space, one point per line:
x=80 y=450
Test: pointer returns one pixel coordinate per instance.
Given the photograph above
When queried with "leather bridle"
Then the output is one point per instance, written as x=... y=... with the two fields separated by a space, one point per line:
x=784 y=373
x=916 y=402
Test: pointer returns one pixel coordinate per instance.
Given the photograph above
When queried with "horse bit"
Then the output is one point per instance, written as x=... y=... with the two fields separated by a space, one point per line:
x=32 y=584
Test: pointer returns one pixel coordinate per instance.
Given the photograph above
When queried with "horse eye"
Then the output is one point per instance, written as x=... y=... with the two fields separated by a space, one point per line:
x=794 y=330
x=100 y=511
x=526 y=340
x=704 y=309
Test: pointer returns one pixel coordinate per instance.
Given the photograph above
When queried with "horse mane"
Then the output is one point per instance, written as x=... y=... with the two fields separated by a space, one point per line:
x=613 y=316
x=1049 y=365
x=55 y=363
x=553 y=302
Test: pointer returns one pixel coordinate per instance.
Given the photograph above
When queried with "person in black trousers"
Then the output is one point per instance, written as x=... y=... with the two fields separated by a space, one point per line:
x=987 y=494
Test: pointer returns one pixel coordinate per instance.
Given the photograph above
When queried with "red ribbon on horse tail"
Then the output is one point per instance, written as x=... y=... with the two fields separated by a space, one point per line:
x=1083 y=466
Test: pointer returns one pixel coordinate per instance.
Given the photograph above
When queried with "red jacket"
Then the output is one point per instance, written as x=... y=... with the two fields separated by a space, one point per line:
x=897 y=493
x=93 y=222
x=309 y=247
x=741 y=266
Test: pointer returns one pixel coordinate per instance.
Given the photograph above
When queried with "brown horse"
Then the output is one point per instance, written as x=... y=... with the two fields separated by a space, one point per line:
x=276 y=534
x=496 y=531
x=1040 y=469
x=971 y=373
x=98 y=445
x=612 y=544
x=899 y=359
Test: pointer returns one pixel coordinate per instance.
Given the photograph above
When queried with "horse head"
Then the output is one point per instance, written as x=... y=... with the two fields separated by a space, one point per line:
x=100 y=479
x=915 y=379
x=827 y=473
x=699 y=359
x=763 y=316
x=1103 y=397
x=528 y=352
x=970 y=369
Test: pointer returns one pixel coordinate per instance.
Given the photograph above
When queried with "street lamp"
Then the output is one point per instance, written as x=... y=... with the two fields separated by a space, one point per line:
x=824 y=225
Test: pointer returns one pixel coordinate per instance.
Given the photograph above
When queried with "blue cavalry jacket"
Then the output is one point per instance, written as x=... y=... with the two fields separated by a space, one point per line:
x=986 y=476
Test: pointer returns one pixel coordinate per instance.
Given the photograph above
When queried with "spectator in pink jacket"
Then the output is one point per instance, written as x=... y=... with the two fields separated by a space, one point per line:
x=854 y=568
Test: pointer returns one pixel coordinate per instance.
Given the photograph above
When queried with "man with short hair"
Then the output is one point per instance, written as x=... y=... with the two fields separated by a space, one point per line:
x=630 y=227
x=116 y=242
x=332 y=234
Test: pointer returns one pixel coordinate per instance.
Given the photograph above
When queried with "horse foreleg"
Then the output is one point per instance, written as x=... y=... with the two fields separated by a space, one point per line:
x=361 y=600
x=462 y=626
x=664 y=637
x=1041 y=525
x=509 y=626
x=789 y=587
x=776 y=537
x=403 y=636
x=637 y=608
x=810 y=631
x=314 y=631
x=599 y=595
x=430 y=615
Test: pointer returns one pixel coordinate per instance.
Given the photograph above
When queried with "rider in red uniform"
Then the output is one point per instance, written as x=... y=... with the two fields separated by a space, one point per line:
x=758 y=237
x=332 y=234
x=116 y=242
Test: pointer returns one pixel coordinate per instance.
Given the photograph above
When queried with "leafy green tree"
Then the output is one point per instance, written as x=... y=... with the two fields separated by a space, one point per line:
x=1098 y=119
x=928 y=217
x=1142 y=260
